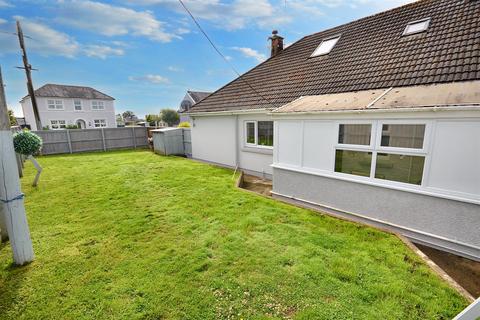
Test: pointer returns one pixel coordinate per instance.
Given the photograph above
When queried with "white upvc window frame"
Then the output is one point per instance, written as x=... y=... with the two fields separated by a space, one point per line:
x=58 y=125
x=95 y=105
x=55 y=103
x=256 y=145
x=75 y=105
x=375 y=148
x=104 y=125
x=425 y=20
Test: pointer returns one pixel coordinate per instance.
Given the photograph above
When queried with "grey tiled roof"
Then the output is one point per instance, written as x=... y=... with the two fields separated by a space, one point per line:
x=65 y=91
x=371 y=54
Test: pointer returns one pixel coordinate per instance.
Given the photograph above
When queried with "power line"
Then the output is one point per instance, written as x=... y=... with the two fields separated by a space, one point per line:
x=223 y=57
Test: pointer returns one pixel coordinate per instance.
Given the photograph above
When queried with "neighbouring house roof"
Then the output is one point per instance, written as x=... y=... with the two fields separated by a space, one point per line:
x=422 y=96
x=66 y=91
x=198 y=95
x=372 y=53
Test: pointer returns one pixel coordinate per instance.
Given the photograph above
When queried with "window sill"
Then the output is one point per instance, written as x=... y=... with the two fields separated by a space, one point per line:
x=258 y=149
x=445 y=194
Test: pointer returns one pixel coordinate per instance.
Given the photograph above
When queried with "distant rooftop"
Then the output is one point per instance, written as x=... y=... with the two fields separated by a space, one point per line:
x=66 y=91
x=198 y=95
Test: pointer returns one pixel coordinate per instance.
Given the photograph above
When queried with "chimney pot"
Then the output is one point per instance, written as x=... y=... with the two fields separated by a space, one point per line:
x=277 y=43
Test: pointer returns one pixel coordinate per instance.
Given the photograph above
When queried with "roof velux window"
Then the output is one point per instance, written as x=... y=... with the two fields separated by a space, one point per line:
x=326 y=46
x=416 y=26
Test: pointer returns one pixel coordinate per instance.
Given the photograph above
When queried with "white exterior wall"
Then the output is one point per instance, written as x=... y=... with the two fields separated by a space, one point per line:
x=452 y=150
x=68 y=113
x=221 y=139
x=213 y=139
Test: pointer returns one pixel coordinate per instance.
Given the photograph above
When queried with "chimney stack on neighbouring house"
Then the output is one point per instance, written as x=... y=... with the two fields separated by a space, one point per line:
x=277 y=43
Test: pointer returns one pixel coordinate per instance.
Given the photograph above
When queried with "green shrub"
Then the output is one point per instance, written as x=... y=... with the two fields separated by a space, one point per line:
x=184 y=124
x=71 y=126
x=27 y=143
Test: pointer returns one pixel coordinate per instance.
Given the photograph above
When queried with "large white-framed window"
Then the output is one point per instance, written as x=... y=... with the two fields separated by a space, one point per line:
x=392 y=151
x=58 y=124
x=98 y=105
x=258 y=134
x=100 y=123
x=77 y=105
x=53 y=104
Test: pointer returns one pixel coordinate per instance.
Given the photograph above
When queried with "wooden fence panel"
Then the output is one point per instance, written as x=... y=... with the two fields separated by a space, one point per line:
x=82 y=140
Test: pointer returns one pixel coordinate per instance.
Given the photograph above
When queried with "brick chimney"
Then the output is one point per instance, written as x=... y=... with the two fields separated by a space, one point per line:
x=277 y=43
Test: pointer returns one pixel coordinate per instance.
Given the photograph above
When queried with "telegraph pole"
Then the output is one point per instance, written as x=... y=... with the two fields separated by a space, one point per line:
x=12 y=209
x=28 y=72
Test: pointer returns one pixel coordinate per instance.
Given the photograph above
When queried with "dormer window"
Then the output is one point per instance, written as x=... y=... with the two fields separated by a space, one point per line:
x=326 y=46
x=416 y=26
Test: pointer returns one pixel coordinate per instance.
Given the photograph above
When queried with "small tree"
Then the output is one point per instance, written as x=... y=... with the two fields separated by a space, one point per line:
x=129 y=115
x=152 y=119
x=28 y=144
x=11 y=116
x=170 y=116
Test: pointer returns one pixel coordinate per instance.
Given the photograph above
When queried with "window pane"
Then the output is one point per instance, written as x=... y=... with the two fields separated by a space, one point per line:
x=265 y=133
x=250 y=132
x=325 y=47
x=355 y=134
x=353 y=162
x=403 y=135
x=401 y=168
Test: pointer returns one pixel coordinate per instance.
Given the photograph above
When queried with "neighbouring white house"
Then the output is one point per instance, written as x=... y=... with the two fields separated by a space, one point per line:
x=377 y=121
x=60 y=106
x=190 y=98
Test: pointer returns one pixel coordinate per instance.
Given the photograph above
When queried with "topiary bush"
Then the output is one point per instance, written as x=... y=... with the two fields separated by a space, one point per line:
x=27 y=143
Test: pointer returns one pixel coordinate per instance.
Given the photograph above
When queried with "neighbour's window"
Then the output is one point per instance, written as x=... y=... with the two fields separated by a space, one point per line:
x=259 y=133
x=355 y=134
x=100 y=123
x=325 y=46
x=398 y=155
x=55 y=104
x=58 y=124
x=78 y=105
x=98 y=105
x=416 y=26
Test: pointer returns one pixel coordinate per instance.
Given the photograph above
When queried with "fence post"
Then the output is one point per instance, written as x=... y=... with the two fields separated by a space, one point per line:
x=19 y=165
x=103 y=140
x=134 y=138
x=69 y=141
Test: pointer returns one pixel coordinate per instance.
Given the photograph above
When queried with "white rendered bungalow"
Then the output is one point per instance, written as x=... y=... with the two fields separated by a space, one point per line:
x=377 y=121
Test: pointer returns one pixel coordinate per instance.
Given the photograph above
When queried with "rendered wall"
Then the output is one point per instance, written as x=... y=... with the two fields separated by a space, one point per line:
x=213 y=139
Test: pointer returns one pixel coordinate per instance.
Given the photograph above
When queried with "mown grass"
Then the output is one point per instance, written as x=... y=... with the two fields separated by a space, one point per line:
x=134 y=235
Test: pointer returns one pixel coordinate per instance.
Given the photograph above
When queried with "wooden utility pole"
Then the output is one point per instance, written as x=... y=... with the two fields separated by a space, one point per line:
x=12 y=208
x=28 y=72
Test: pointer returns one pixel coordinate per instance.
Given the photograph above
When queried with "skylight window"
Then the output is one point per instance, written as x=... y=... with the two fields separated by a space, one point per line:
x=416 y=26
x=326 y=46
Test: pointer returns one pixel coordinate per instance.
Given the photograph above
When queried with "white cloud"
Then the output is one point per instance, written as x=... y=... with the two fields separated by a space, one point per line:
x=150 y=78
x=5 y=4
x=41 y=39
x=112 y=20
x=44 y=40
x=102 y=51
x=175 y=69
x=251 y=53
x=233 y=15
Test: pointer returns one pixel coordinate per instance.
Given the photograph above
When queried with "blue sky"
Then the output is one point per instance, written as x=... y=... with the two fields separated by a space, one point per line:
x=147 y=53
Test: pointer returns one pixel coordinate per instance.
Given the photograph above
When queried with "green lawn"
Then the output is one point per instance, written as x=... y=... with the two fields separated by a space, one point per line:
x=135 y=235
